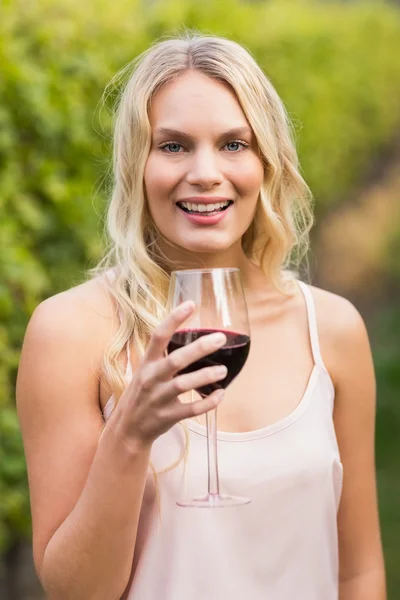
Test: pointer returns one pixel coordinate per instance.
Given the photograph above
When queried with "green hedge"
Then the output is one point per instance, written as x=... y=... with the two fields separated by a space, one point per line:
x=336 y=66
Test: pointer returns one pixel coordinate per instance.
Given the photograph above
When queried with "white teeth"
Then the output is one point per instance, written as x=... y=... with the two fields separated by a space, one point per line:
x=204 y=207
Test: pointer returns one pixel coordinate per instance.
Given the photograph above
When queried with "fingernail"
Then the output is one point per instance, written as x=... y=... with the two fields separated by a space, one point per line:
x=221 y=370
x=219 y=395
x=218 y=338
x=186 y=307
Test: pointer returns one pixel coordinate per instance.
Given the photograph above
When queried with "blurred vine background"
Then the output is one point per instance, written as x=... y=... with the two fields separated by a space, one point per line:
x=336 y=65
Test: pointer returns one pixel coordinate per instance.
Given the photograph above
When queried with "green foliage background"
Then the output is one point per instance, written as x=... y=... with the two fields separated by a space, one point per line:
x=337 y=68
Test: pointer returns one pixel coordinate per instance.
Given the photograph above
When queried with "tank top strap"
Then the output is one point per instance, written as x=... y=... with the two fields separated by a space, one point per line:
x=312 y=324
x=128 y=370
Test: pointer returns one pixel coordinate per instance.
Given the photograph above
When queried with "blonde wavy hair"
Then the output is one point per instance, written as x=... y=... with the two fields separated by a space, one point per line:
x=278 y=238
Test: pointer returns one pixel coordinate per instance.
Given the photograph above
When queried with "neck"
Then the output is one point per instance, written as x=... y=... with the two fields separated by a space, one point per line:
x=180 y=259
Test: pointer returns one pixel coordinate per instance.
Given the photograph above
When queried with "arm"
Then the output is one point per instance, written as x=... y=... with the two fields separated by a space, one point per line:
x=84 y=529
x=361 y=570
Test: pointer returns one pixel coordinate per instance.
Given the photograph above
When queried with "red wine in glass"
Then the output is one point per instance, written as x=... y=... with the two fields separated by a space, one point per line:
x=233 y=355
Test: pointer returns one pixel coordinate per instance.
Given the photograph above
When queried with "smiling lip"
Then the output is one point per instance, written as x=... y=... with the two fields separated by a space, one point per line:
x=200 y=219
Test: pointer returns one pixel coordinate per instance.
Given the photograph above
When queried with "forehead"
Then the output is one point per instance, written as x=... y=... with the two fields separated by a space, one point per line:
x=195 y=101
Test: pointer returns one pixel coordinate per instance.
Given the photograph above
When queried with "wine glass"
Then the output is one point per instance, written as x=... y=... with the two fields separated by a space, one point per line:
x=220 y=306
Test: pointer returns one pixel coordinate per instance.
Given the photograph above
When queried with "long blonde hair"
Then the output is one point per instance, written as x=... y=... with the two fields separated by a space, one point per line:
x=276 y=240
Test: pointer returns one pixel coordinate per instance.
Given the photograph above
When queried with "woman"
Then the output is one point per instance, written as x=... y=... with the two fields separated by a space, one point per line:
x=108 y=432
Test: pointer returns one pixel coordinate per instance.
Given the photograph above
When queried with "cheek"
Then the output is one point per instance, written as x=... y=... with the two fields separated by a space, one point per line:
x=159 y=178
x=249 y=178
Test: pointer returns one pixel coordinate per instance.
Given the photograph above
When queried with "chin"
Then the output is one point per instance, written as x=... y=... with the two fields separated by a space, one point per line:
x=204 y=246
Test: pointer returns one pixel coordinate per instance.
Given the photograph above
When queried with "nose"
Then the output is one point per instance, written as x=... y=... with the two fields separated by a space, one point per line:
x=204 y=170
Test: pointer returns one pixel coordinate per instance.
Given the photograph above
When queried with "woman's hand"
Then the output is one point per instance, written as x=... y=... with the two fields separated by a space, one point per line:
x=150 y=404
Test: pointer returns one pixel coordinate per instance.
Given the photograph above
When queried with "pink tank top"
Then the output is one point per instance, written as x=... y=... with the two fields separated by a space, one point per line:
x=281 y=546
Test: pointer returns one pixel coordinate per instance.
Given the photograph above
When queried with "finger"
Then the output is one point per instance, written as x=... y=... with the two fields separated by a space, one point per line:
x=183 y=357
x=165 y=330
x=199 y=407
x=192 y=381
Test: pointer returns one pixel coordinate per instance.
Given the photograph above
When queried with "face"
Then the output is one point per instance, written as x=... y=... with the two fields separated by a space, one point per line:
x=203 y=174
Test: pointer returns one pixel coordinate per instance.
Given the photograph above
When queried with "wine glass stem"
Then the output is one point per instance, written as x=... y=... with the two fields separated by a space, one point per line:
x=213 y=482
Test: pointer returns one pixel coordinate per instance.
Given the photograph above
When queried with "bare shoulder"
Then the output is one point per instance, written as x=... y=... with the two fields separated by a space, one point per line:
x=336 y=313
x=342 y=332
x=64 y=344
x=70 y=332
x=76 y=310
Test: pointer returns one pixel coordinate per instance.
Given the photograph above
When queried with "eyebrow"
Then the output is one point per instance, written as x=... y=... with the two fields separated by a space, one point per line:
x=235 y=132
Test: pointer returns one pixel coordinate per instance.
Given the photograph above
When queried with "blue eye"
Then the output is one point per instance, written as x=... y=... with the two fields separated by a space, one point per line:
x=173 y=147
x=236 y=146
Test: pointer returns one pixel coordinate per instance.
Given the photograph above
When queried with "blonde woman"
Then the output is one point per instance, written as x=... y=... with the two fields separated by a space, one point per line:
x=109 y=433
